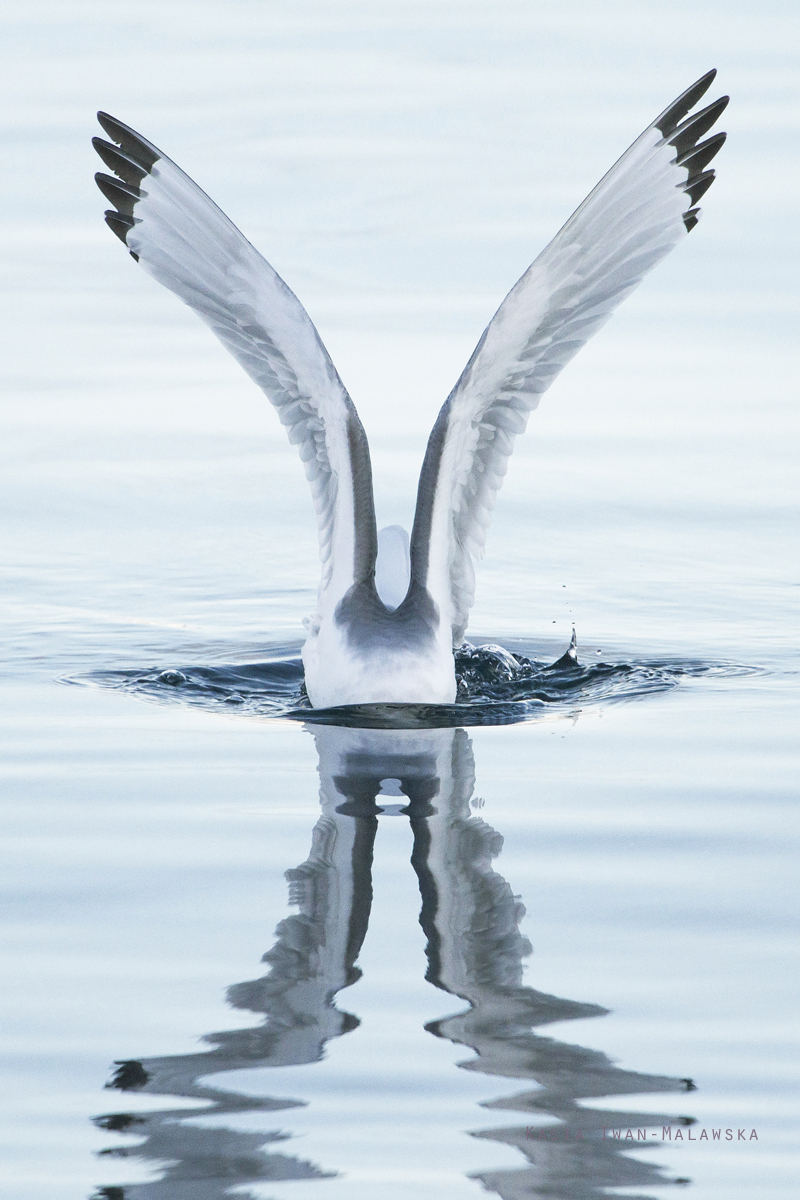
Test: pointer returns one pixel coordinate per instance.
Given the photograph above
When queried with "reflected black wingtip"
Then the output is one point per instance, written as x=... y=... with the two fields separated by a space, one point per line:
x=129 y=1075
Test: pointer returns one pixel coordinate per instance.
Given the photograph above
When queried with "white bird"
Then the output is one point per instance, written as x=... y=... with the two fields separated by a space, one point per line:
x=390 y=611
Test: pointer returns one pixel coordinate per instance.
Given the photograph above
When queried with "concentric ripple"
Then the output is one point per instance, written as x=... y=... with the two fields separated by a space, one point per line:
x=496 y=686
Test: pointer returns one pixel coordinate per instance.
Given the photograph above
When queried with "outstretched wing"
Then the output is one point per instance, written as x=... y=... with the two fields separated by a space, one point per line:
x=642 y=208
x=184 y=241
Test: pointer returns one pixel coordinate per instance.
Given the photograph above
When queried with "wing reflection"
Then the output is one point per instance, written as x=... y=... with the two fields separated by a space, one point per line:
x=475 y=951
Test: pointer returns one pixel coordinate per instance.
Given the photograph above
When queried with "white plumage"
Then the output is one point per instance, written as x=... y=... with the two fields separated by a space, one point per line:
x=393 y=641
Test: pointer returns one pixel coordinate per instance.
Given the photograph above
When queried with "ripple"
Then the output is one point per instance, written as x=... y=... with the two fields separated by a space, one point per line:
x=496 y=686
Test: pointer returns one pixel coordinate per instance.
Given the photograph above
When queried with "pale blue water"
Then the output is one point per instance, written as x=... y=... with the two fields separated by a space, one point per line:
x=607 y=886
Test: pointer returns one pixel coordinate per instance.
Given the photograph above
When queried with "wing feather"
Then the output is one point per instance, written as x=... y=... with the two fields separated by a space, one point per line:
x=640 y=209
x=186 y=242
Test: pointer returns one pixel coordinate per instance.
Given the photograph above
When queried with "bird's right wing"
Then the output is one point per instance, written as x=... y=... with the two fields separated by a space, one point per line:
x=643 y=207
x=184 y=241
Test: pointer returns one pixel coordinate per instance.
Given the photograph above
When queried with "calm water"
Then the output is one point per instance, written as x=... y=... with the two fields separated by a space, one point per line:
x=248 y=952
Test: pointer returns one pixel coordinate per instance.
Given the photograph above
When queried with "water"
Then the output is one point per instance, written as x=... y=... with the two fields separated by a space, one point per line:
x=496 y=686
x=568 y=911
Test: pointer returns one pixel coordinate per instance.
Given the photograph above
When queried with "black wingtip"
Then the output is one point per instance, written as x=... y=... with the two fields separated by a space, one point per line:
x=119 y=224
x=686 y=135
x=132 y=144
x=123 y=195
x=672 y=116
x=697 y=186
x=114 y=128
x=133 y=160
x=690 y=219
x=699 y=156
x=119 y=163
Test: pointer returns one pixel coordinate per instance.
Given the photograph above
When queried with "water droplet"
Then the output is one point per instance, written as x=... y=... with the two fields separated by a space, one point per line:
x=173 y=678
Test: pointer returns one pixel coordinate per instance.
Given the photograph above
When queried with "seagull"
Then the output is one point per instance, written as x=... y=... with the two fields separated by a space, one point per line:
x=391 y=610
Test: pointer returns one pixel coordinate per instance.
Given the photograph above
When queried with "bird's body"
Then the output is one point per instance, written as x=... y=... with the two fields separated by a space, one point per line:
x=391 y=610
x=380 y=657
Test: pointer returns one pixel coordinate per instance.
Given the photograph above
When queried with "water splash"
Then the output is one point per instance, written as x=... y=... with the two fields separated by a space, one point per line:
x=496 y=686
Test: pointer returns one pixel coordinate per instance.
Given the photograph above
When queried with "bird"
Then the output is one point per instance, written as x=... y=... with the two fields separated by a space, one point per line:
x=391 y=608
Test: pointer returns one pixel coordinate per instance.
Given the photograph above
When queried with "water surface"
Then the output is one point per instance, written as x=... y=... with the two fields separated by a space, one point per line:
x=252 y=949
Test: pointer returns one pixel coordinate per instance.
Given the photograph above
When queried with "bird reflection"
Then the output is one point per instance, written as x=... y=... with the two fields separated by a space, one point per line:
x=475 y=951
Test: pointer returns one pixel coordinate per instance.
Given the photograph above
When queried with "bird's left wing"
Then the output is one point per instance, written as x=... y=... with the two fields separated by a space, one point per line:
x=643 y=207
x=184 y=241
